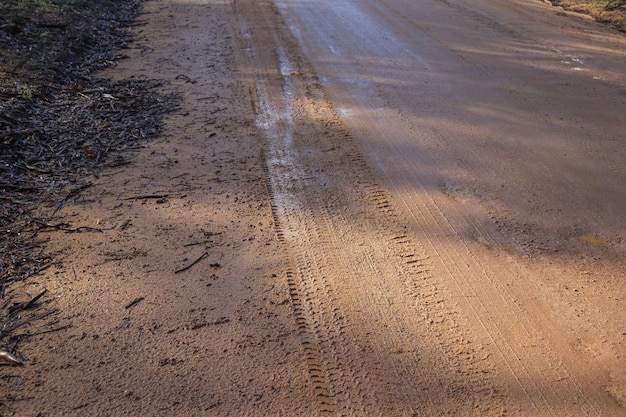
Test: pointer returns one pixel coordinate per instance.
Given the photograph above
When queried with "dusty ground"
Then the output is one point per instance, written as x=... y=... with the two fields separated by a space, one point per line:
x=218 y=338
x=270 y=256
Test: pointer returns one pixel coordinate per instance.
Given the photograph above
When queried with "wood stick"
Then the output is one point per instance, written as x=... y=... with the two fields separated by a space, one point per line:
x=204 y=255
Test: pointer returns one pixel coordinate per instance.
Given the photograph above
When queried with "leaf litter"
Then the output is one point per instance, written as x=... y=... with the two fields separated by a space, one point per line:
x=59 y=125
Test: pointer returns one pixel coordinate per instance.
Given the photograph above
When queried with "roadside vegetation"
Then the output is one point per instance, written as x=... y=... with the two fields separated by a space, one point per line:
x=610 y=12
x=614 y=4
x=59 y=125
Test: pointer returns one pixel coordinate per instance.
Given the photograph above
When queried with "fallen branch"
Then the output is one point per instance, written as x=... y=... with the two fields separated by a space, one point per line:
x=151 y=196
x=56 y=329
x=134 y=302
x=7 y=357
x=66 y=227
x=26 y=305
x=204 y=255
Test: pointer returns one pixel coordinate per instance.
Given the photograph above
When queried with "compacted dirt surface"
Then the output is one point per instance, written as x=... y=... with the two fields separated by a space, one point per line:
x=379 y=207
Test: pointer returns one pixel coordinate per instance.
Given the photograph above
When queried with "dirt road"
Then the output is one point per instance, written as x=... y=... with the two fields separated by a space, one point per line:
x=397 y=208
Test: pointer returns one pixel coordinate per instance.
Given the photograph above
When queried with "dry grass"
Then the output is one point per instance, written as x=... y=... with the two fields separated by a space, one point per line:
x=610 y=12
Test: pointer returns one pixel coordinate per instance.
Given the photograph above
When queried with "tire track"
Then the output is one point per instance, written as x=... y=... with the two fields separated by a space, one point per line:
x=378 y=336
x=322 y=328
x=492 y=296
x=509 y=319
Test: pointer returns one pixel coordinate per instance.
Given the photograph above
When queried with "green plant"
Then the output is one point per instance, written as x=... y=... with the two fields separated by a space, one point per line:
x=614 y=4
x=25 y=92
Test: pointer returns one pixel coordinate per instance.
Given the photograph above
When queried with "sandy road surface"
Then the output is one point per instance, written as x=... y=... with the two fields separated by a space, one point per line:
x=495 y=229
x=408 y=208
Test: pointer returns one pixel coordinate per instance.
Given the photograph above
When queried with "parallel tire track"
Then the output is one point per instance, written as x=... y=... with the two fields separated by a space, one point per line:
x=377 y=334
